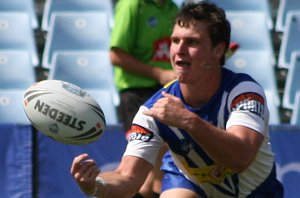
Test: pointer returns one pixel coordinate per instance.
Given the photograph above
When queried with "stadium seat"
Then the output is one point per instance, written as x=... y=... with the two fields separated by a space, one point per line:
x=295 y=119
x=86 y=69
x=11 y=107
x=292 y=83
x=53 y=6
x=290 y=40
x=258 y=65
x=76 y=32
x=262 y=6
x=16 y=70
x=249 y=30
x=179 y=3
x=273 y=107
x=105 y=99
x=25 y=6
x=16 y=34
x=284 y=7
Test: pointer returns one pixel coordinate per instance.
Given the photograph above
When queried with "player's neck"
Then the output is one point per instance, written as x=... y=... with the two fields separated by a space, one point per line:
x=199 y=93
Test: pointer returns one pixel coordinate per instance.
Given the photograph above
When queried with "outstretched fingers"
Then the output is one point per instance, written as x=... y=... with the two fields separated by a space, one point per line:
x=76 y=164
x=84 y=171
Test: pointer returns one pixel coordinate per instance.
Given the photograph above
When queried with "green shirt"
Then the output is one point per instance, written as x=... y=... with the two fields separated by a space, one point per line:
x=142 y=28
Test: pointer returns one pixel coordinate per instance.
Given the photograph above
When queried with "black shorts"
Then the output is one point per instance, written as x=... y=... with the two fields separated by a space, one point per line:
x=131 y=100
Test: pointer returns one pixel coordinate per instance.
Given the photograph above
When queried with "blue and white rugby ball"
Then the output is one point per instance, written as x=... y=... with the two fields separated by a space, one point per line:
x=64 y=112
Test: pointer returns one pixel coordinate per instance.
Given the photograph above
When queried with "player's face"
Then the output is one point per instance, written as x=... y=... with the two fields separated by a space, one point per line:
x=192 y=52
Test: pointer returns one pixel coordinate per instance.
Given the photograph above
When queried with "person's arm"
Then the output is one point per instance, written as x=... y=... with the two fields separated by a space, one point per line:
x=124 y=182
x=122 y=59
x=235 y=148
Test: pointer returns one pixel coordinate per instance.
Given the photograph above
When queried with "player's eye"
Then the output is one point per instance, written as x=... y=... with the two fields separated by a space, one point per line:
x=175 y=40
x=192 y=42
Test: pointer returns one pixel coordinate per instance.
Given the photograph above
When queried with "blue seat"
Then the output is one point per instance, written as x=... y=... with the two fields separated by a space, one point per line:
x=16 y=70
x=86 y=69
x=16 y=34
x=25 y=6
x=179 y=3
x=250 y=31
x=105 y=99
x=262 y=6
x=258 y=65
x=295 y=119
x=76 y=31
x=290 y=40
x=53 y=6
x=292 y=83
x=284 y=7
x=11 y=107
x=273 y=107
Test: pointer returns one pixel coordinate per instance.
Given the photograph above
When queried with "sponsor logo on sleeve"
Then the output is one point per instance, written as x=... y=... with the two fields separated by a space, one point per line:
x=139 y=133
x=251 y=102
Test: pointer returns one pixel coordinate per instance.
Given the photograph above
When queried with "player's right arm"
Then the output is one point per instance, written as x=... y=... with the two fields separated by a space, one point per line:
x=125 y=181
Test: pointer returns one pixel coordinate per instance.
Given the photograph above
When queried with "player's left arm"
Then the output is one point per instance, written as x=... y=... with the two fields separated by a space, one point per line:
x=234 y=148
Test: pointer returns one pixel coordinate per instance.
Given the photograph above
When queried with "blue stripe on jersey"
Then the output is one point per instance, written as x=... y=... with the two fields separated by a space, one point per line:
x=235 y=191
x=169 y=165
x=182 y=147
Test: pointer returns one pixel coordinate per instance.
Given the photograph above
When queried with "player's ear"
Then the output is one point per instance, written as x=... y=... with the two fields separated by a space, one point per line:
x=219 y=50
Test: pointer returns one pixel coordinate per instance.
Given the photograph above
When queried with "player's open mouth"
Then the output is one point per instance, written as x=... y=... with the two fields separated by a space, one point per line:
x=182 y=63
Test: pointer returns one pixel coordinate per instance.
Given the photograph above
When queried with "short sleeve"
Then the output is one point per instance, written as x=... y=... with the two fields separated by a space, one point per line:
x=247 y=106
x=144 y=140
x=123 y=32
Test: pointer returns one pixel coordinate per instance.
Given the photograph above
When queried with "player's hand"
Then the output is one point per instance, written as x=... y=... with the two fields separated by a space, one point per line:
x=85 y=171
x=170 y=111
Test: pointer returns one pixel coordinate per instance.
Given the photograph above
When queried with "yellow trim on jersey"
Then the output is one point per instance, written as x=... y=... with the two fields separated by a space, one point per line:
x=212 y=174
x=169 y=83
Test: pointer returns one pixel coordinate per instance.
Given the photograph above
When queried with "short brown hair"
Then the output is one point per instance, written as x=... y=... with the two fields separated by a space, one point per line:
x=218 y=26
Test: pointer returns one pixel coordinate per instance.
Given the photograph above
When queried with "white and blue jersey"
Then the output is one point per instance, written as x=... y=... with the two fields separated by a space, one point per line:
x=239 y=101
